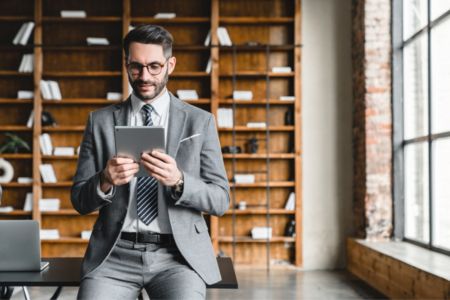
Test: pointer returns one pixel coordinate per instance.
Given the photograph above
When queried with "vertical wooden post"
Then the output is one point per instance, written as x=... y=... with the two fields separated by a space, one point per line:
x=37 y=109
x=298 y=135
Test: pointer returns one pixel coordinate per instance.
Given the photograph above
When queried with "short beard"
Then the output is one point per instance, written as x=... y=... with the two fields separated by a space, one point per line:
x=159 y=86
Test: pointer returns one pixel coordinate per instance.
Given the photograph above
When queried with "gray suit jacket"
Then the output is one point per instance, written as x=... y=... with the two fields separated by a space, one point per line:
x=206 y=186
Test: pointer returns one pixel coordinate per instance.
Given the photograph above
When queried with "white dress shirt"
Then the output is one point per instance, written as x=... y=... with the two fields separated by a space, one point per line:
x=160 y=117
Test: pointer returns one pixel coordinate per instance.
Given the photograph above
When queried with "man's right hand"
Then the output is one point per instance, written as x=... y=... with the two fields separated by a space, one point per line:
x=118 y=171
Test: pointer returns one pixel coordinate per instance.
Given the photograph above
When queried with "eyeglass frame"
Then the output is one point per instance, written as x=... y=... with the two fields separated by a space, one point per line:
x=141 y=66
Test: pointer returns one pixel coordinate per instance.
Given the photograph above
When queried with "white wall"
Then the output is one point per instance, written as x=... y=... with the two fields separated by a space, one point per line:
x=327 y=131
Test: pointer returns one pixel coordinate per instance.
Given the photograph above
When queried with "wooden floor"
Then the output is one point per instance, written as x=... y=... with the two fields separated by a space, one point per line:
x=278 y=284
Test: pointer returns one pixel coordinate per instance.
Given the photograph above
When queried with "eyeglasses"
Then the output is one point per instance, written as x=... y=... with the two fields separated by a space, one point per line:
x=155 y=68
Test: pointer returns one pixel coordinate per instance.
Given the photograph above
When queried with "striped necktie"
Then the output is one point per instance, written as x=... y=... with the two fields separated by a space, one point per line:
x=147 y=187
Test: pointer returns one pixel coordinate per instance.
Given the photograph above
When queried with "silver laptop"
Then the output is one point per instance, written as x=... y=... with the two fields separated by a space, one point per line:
x=20 y=248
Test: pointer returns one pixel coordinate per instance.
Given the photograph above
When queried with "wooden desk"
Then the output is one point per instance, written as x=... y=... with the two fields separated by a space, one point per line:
x=66 y=272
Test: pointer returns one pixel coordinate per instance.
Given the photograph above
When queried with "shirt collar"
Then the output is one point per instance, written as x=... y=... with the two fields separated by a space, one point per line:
x=160 y=105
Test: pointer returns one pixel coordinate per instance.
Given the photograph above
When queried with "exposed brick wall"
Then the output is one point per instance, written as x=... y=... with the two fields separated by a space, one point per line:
x=372 y=120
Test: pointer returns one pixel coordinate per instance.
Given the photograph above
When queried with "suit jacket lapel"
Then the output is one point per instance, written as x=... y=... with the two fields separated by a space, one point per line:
x=122 y=114
x=177 y=121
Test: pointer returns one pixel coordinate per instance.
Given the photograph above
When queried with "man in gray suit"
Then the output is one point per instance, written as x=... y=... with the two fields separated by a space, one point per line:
x=150 y=232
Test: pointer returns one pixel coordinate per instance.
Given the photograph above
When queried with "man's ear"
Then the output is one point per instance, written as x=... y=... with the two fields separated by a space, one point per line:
x=172 y=63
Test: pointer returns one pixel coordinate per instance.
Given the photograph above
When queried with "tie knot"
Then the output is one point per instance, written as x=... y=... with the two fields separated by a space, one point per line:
x=147 y=108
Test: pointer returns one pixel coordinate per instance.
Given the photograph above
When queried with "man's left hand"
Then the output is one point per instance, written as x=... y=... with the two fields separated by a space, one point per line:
x=162 y=167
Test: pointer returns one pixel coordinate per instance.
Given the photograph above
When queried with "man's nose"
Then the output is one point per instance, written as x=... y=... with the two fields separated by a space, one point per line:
x=145 y=74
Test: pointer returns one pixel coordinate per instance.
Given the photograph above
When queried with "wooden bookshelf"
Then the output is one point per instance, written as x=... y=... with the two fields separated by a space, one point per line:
x=265 y=34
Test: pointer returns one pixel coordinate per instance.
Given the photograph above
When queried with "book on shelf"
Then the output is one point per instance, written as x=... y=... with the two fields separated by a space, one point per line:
x=165 y=15
x=261 y=233
x=290 y=203
x=45 y=142
x=86 y=234
x=49 y=234
x=91 y=41
x=287 y=98
x=256 y=124
x=244 y=178
x=225 y=117
x=49 y=204
x=242 y=95
x=224 y=37
x=73 y=14
x=47 y=173
x=24 y=180
x=30 y=119
x=27 y=63
x=208 y=39
x=281 y=69
x=6 y=209
x=64 y=151
x=187 y=94
x=208 y=66
x=50 y=90
x=22 y=94
x=24 y=33
x=113 y=96
x=28 y=204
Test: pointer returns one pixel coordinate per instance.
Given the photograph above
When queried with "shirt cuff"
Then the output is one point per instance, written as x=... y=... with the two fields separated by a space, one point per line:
x=107 y=196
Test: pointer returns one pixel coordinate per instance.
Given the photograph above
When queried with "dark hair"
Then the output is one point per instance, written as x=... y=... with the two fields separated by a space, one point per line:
x=149 y=34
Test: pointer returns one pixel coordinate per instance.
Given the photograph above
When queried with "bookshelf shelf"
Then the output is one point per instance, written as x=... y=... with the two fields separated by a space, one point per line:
x=255 y=20
x=263 y=184
x=68 y=101
x=15 y=18
x=65 y=240
x=244 y=239
x=16 y=185
x=60 y=157
x=15 y=73
x=249 y=129
x=15 y=101
x=14 y=128
x=176 y=20
x=258 y=74
x=272 y=211
x=64 y=47
x=82 y=74
x=63 y=129
x=65 y=212
x=93 y=19
x=189 y=74
x=16 y=212
x=259 y=156
x=57 y=184
x=256 y=102
x=16 y=156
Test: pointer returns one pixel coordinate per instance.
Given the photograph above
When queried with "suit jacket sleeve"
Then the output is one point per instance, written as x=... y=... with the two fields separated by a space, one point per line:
x=210 y=192
x=84 y=196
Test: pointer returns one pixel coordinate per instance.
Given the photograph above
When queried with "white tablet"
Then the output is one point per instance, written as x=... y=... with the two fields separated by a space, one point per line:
x=131 y=141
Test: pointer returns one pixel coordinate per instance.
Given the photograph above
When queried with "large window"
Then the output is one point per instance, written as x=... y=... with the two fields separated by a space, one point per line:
x=421 y=52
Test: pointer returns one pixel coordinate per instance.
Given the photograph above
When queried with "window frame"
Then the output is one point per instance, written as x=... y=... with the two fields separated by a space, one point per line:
x=398 y=141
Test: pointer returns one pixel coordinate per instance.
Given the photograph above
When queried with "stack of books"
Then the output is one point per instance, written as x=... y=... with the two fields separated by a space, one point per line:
x=225 y=117
x=92 y=41
x=224 y=37
x=242 y=95
x=50 y=204
x=64 y=151
x=166 y=15
x=290 y=203
x=28 y=204
x=50 y=90
x=47 y=173
x=113 y=96
x=281 y=69
x=86 y=234
x=73 y=14
x=27 y=63
x=25 y=94
x=244 y=178
x=24 y=33
x=49 y=234
x=261 y=233
x=187 y=94
x=45 y=142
